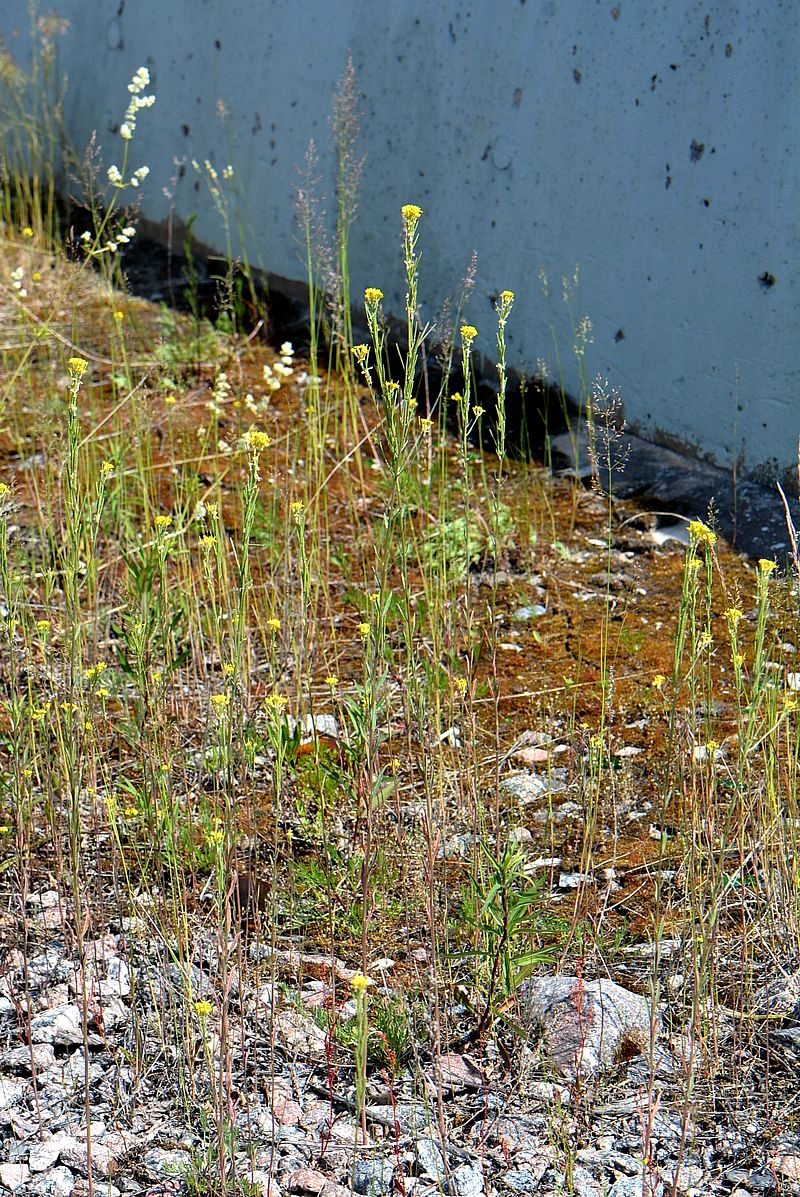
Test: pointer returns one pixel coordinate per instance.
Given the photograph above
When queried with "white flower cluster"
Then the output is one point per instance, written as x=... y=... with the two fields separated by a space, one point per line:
x=136 y=86
x=16 y=282
x=276 y=374
x=220 y=394
x=113 y=243
x=116 y=180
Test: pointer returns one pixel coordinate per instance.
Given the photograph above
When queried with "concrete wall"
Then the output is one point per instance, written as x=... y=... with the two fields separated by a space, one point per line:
x=654 y=143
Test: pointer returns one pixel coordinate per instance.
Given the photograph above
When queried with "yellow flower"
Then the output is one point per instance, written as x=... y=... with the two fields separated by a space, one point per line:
x=102 y=692
x=106 y=468
x=506 y=298
x=411 y=213
x=44 y=625
x=257 y=441
x=162 y=522
x=461 y=685
x=298 y=511
x=119 y=315
x=37 y=276
x=221 y=701
x=700 y=533
x=27 y=231
x=332 y=681
x=374 y=597
x=766 y=566
x=733 y=615
x=477 y=412
x=658 y=681
x=358 y=982
x=468 y=333
x=373 y=296
x=203 y=1008
x=77 y=366
x=228 y=669
x=361 y=353
x=363 y=630
x=426 y=422
x=277 y=703
x=274 y=624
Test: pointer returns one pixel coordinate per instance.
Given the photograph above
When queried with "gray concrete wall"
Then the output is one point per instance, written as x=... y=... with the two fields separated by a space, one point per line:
x=654 y=143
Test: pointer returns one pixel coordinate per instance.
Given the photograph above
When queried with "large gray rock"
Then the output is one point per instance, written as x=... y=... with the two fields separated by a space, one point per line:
x=588 y=1025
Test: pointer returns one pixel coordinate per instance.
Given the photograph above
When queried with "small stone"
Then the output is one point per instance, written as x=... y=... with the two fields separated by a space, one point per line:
x=465 y=1181
x=286 y=1111
x=531 y=755
x=43 y=1155
x=61 y=1025
x=58 y=1182
x=585 y=1184
x=161 y=1161
x=18 y=1059
x=307 y=1180
x=430 y=1159
x=11 y=1091
x=373 y=1177
x=529 y=611
x=636 y=1186
x=459 y=1072
x=522 y=1180
x=299 y=1034
x=267 y=1184
x=588 y=1025
x=412 y=1117
x=690 y=1176
x=14 y=1176
x=788 y=1165
x=526 y=787
x=756 y=1181
x=75 y=1155
x=574 y=880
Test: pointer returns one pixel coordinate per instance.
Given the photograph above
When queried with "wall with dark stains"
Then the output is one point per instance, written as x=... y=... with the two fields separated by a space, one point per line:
x=652 y=145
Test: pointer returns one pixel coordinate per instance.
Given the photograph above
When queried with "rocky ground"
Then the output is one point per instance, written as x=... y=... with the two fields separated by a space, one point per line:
x=593 y=1092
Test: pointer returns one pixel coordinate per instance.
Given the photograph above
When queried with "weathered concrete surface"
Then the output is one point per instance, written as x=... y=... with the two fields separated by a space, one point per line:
x=656 y=145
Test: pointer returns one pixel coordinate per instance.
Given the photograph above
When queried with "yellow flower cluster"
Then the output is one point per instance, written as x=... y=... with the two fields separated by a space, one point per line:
x=257 y=441
x=700 y=533
x=373 y=296
x=468 y=333
x=77 y=366
x=411 y=213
